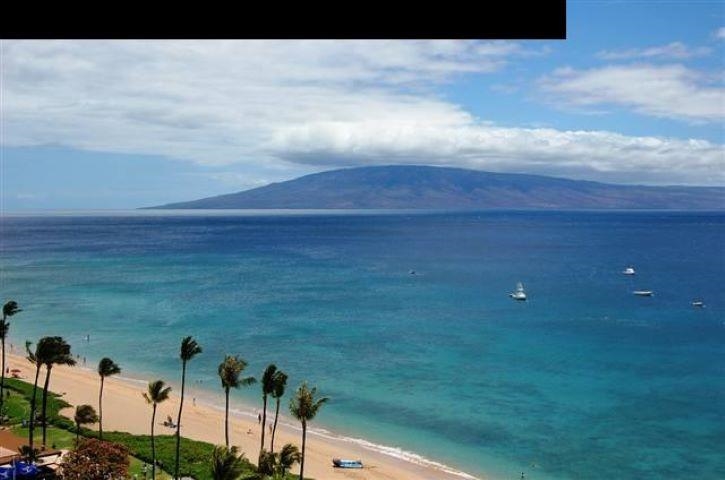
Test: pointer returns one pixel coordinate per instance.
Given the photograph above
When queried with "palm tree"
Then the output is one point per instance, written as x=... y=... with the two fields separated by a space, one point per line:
x=35 y=358
x=288 y=456
x=85 y=415
x=9 y=309
x=229 y=371
x=106 y=368
x=57 y=352
x=189 y=349
x=280 y=381
x=226 y=464
x=267 y=389
x=304 y=407
x=157 y=393
x=275 y=465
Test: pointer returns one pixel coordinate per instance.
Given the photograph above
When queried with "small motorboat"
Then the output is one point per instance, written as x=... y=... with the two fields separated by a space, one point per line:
x=519 y=294
x=643 y=293
x=698 y=304
x=342 y=463
x=628 y=271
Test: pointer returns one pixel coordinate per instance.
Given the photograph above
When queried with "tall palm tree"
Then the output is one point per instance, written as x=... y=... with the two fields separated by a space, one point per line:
x=226 y=464
x=229 y=371
x=267 y=389
x=106 y=368
x=280 y=381
x=37 y=358
x=9 y=309
x=56 y=353
x=189 y=349
x=304 y=407
x=85 y=415
x=157 y=393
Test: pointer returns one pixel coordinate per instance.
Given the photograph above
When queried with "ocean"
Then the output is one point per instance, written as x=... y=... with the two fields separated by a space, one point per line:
x=403 y=320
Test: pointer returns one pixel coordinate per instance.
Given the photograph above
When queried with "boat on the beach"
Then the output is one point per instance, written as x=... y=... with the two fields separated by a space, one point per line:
x=628 y=271
x=643 y=293
x=519 y=294
x=342 y=463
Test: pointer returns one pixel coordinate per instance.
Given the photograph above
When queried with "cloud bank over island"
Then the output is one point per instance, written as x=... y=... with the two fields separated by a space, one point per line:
x=313 y=105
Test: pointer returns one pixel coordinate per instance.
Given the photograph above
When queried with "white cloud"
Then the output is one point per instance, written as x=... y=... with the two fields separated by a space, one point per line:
x=671 y=51
x=578 y=154
x=720 y=33
x=313 y=104
x=669 y=91
x=216 y=102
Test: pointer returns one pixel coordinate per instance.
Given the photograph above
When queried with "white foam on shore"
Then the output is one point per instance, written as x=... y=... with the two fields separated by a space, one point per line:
x=395 y=452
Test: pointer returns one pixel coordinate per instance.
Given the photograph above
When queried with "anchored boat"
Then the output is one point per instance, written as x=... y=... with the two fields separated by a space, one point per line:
x=519 y=294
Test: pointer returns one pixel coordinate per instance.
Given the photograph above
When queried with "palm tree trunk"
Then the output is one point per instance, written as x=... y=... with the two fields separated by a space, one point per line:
x=178 y=420
x=32 y=409
x=78 y=432
x=2 y=377
x=100 y=411
x=274 y=428
x=45 y=401
x=264 y=422
x=226 y=418
x=153 y=445
x=304 y=437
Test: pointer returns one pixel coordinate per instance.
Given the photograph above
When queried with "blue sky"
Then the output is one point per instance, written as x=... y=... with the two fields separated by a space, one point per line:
x=635 y=94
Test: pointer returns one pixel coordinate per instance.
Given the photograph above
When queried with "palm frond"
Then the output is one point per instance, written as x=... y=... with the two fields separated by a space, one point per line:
x=107 y=367
x=189 y=349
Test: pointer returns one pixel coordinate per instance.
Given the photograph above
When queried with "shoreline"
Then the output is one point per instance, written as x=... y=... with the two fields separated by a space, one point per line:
x=126 y=410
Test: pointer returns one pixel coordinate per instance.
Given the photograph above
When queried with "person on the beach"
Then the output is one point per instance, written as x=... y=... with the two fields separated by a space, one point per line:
x=193 y=400
x=259 y=418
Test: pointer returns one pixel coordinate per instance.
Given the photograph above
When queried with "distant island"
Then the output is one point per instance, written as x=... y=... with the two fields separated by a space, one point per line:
x=425 y=187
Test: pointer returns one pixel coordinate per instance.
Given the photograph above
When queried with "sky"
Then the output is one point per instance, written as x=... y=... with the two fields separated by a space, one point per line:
x=635 y=95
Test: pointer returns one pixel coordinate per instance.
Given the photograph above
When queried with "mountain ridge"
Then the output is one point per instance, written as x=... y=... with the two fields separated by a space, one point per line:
x=428 y=187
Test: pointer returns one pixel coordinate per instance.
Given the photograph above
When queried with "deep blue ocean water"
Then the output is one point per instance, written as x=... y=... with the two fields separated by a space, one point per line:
x=583 y=381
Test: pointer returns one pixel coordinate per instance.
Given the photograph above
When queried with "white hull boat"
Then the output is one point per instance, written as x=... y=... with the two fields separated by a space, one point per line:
x=519 y=294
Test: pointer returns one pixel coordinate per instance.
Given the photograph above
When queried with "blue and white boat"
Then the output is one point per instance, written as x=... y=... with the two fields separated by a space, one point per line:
x=342 y=463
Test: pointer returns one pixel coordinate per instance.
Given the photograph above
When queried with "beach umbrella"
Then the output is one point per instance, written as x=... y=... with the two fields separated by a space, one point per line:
x=25 y=470
x=6 y=473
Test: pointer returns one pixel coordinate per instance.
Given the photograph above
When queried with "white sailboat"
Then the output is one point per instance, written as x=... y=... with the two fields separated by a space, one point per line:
x=519 y=294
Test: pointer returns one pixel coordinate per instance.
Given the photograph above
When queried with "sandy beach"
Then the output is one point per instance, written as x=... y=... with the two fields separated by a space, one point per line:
x=124 y=409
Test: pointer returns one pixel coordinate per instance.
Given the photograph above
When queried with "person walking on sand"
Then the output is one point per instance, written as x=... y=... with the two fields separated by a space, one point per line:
x=259 y=418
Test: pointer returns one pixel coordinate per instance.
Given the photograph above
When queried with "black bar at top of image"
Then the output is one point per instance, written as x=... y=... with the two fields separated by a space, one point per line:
x=542 y=19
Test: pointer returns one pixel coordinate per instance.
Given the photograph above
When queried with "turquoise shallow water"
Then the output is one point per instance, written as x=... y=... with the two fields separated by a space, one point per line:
x=582 y=381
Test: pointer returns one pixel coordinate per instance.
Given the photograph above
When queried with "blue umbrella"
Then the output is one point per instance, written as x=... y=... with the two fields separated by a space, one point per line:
x=6 y=473
x=25 y=470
